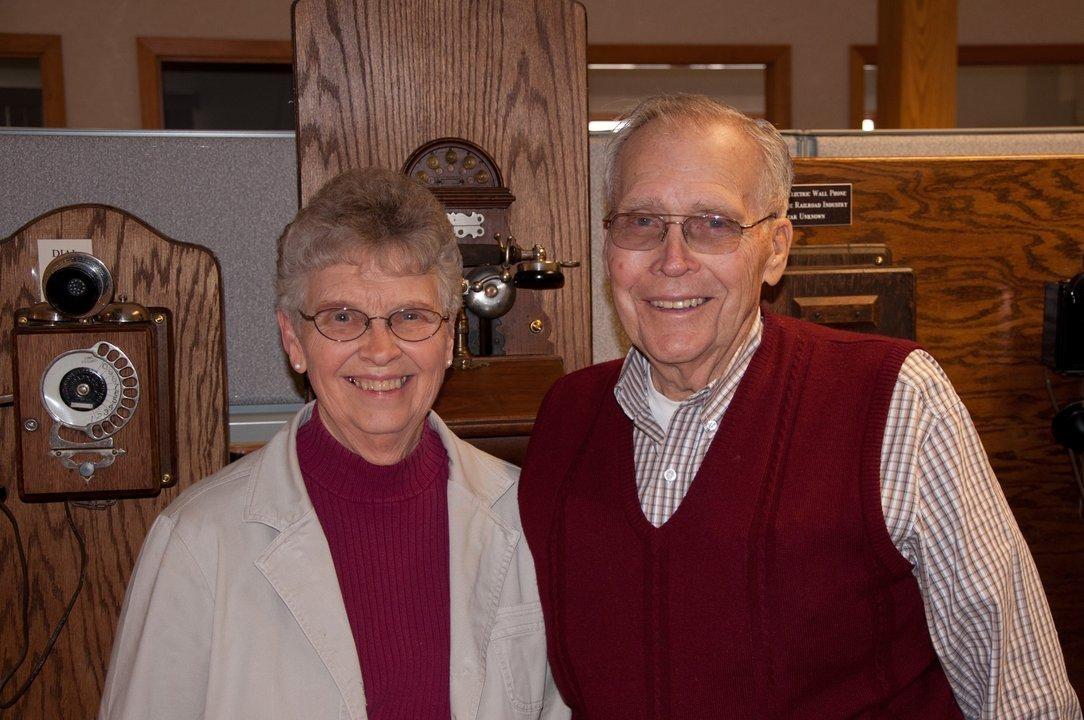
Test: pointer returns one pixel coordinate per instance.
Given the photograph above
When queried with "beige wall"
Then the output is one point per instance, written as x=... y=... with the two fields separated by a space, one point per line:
x=100 y=57
x=100 y=78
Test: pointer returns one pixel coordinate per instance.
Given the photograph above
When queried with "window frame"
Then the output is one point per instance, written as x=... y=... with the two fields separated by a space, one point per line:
x=862 y=55
x=47 y=50
x=151 y=52
x=775 y=58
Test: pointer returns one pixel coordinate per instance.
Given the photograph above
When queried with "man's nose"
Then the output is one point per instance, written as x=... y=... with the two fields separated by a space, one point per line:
x=379 y=345
x=677 y=259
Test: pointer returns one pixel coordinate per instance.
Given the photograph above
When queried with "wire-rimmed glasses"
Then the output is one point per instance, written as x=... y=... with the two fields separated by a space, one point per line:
x=346 y=324
x=705 y=233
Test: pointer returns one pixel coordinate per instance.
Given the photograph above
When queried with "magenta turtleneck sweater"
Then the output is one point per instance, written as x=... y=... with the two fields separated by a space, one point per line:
x=387 y=528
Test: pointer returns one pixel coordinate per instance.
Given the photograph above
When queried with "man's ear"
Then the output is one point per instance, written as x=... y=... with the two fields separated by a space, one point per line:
x=290 y=342
x=782 y=236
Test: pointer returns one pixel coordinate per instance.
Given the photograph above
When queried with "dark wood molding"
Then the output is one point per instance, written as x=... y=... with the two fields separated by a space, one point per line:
x=47 y=50
x=151 y=52
x=861 y=55
x=775 y=58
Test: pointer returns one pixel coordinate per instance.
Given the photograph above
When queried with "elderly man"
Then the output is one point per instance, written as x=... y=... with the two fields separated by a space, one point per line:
x=755 y=517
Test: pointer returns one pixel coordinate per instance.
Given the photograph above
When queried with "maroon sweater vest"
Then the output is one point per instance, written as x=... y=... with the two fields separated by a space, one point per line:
x=774 y=591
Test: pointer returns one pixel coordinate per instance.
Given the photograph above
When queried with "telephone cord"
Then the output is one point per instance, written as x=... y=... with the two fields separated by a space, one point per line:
x=5 y=704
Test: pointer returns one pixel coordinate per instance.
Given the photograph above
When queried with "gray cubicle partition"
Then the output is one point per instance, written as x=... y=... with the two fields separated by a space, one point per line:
x=233 y=193
x=230 y=192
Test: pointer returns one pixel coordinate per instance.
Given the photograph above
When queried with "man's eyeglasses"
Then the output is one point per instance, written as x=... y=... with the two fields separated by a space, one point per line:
x=346 y=324
x=708 y=234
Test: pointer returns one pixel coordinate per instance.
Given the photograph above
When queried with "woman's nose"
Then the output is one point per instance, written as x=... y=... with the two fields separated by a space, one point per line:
x=379 y=345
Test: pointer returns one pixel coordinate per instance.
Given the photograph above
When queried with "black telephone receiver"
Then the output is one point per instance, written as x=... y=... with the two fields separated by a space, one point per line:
x=1063 y=352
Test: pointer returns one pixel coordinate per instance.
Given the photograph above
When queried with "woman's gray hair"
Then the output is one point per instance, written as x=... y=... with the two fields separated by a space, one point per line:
x=773 y=188
x=370 y=216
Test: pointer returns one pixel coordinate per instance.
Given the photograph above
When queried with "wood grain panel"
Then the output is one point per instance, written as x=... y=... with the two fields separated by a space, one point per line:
x=916 y=76
x=983 y=235
x=498 y=398
x=377 y=79
x=153 y=270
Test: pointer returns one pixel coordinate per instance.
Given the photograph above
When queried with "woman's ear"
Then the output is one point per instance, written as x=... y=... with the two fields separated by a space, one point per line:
x=449 y=349
x=290 y=342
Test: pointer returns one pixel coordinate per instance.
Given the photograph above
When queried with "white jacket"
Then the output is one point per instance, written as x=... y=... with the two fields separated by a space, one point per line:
x=234 y=609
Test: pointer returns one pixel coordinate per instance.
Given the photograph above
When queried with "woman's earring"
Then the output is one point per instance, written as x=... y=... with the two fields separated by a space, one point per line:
x=297 y=366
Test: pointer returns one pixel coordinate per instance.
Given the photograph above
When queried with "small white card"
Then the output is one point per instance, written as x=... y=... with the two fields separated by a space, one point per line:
x=49 y=250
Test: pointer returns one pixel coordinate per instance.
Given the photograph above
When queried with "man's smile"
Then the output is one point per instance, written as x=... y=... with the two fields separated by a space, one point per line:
x=678 y=303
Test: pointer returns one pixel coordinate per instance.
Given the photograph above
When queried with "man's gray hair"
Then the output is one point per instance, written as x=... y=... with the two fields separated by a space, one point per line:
x=773 y=187
x=368 y=217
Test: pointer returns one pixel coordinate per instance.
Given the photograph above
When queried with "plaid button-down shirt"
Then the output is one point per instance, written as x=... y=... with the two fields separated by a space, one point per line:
x=987 y=614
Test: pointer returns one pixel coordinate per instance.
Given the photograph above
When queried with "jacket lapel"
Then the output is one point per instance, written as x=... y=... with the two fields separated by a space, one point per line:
x=481 y=548
x=299 y=567
x=298 y=563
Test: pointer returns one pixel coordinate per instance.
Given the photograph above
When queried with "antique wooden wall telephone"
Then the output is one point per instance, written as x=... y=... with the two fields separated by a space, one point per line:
x=469 y=184
x=93 y=389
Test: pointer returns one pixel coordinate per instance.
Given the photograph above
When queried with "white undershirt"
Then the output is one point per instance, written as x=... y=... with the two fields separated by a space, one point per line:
x=662 y=407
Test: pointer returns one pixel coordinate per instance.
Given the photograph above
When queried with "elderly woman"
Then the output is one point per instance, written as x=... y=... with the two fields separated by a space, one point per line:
x=366 y=562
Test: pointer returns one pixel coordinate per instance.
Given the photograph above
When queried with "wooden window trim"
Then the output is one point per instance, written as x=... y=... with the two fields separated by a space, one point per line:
x=861 y=55
x=775 y=58
x=153 y=51
x=46 y=49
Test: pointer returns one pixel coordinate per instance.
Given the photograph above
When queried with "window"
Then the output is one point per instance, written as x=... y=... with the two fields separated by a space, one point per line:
x=1033 y=85
x=753 y=78
x=194 y=84
x=31 y=81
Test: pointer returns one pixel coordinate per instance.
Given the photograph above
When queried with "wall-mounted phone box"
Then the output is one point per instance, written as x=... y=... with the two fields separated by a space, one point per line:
x=94 y=410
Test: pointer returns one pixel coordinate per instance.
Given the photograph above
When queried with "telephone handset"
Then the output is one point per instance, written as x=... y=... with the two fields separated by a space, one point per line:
x=469 y=184
x=92 y=389
x=489 y=286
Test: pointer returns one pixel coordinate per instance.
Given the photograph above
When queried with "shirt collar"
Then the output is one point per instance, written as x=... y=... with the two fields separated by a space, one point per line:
x=634 y=384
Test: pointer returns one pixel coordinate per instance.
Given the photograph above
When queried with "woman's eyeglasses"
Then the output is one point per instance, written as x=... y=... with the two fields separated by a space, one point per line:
x=346 y=324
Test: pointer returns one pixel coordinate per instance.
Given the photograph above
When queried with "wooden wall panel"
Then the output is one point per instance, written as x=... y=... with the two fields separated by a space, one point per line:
x=154 y=271
x=916 y=75
x=376 y=79
x=983 y=235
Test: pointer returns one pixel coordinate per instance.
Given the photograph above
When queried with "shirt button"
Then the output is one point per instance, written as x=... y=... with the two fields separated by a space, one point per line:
x=670 y=475
x=711 y=426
